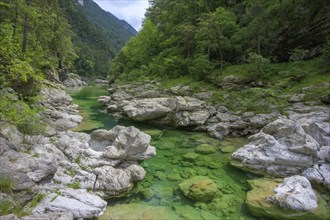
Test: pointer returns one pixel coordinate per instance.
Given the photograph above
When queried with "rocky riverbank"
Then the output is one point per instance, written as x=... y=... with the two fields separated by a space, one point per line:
x=294 y=146
x=181 y=108
x=63 y=174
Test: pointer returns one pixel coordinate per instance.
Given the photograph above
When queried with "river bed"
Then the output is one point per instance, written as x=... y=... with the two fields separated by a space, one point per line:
x=178 y=158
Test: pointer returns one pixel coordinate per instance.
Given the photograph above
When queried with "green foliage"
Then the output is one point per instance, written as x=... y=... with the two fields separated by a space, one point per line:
x=74 y=185
x=36 y=200
x=326 y=50
x=16 y=71
x=6 y=206
x=200 y=66
x=259 y=63
x=20 y=114
x=179 y=35
x=98 y=37
x=298 y=54
x=6 y=184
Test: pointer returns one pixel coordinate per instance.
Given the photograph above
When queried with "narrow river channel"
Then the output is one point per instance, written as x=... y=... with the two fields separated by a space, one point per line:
x=178 y=158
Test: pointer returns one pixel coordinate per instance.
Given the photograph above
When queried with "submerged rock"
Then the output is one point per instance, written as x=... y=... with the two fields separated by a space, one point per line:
x=199 y=188
x=139 y=211
x=205 y=149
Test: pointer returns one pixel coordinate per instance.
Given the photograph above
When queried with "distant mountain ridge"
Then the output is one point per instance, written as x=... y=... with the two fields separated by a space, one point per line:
x=112 y=27
x=98 y=34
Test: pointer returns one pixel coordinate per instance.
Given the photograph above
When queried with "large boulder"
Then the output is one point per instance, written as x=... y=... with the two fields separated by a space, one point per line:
x=112 y=181
x=188 y=103
x=79 y=202
x=60 y=114
x=73 y=80
x=130 y=144
x=199 y=188
x=295 y=193
x=148 y=109
x=282 y=148
x=261 y=200
x=319 y=173
x=195 y=118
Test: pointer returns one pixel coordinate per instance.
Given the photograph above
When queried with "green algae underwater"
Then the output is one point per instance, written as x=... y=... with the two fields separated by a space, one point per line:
x=181 y=155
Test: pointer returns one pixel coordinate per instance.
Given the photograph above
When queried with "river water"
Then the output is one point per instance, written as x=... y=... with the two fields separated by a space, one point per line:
x=158 y=195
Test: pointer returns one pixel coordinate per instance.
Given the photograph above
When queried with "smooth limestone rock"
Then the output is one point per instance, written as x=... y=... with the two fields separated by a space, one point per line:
x=50 y=215
x=79 y=202
x=130 y=144
x=282 y=148
x=113 y=181
x=148 y=109
x=295 y=193
x=73 y=80
x=185 y=118
x=319 y=173
x=199 y=188
x=61 y=114
x=53 y=164
x=260 y=205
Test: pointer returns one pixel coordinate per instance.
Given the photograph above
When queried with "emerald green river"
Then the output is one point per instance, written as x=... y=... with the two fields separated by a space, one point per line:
x=180 y=155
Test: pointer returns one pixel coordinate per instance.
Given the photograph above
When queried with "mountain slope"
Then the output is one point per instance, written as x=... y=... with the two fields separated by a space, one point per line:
x=118 y=31
x=99 y=35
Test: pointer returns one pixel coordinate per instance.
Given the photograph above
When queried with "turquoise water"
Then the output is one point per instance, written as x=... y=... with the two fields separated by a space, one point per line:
x=158 y=196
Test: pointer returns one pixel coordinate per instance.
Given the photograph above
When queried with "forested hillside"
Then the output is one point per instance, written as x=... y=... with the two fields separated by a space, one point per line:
x=98 y=36
x=196 y=36
x=41 y=39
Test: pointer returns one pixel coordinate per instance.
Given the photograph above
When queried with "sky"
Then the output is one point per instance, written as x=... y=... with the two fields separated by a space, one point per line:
x=131 y=11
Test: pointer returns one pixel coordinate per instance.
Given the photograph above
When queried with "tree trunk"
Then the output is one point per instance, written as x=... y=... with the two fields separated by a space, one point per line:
x=15 y=21
x=25 y=28
x=221 y=58
x=60 y=61
x=258 y=42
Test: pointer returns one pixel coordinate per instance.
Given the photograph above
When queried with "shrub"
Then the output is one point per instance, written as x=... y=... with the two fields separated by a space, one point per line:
x=260 y=63
x=298 y=54
x=20 y=114
x=326 y=50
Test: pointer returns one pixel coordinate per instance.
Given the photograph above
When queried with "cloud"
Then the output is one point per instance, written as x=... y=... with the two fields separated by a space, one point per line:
x=131 y=11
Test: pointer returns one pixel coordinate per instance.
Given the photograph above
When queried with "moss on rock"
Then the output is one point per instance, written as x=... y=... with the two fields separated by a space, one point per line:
x=199 y=188
x=205 y=149
x=259 y=205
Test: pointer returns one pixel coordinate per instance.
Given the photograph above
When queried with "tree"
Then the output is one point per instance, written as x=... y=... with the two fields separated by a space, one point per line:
x=215 y=31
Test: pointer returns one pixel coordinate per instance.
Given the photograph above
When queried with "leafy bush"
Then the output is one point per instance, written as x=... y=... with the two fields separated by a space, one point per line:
x=200 y=66
x=298 y=54
x=259 y=62
x=16 y=71
x=20 y=114
x=326 y=50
